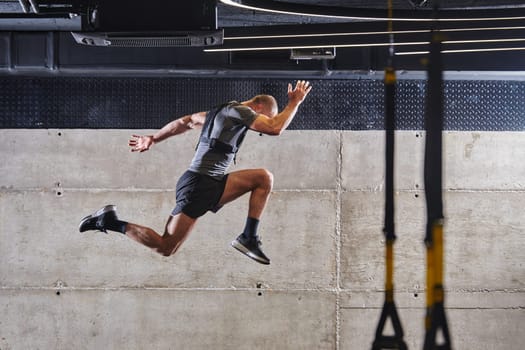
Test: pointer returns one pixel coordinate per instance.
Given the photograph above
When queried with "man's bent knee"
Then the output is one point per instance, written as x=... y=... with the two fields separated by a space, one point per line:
x=168 y=252
x=176 y=231
x=169 y=248
x=266 y=178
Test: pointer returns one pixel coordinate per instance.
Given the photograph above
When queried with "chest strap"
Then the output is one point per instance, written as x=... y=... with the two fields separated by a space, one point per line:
x=214 y=143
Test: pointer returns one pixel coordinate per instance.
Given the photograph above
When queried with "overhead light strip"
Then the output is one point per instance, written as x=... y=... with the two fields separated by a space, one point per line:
x=463 y=51
x=321 y=35
x=298 y=13
x=268 y=48
x=482 y=41
x=289 y=47
x=363 y=33
x=480 y=29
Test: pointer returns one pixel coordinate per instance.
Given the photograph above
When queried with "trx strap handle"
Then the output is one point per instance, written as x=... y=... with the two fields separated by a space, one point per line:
x=389 y=307
x=435 y=318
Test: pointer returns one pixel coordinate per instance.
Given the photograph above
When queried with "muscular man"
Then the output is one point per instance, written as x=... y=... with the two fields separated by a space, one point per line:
x=206 y=186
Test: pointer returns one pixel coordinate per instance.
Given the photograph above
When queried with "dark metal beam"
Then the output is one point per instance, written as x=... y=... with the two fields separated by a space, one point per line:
x=32 y=22
x=378 y=14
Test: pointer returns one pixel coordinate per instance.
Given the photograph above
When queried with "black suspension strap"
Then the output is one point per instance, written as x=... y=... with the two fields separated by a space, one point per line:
x=395 y=341
x=435 y=319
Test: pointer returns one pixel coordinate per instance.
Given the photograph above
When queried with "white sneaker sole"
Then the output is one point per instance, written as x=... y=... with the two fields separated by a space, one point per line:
x=237 y=245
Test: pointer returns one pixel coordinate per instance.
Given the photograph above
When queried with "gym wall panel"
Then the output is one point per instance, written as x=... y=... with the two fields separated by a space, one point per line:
x=101 y=159
x=471 y=160
x=64 y=154
x=483 y=248
x=322 y=230
x=42 y=246
x=166 y=319
x=493 y=328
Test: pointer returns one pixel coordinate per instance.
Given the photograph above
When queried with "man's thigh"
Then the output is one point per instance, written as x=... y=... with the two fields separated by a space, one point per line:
x=240 y=182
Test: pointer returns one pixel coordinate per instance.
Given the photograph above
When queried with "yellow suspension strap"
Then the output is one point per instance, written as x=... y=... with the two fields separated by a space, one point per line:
x=395 y=341
x=435 y=319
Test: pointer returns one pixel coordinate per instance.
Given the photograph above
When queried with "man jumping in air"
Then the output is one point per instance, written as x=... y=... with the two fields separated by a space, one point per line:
x=206 y=185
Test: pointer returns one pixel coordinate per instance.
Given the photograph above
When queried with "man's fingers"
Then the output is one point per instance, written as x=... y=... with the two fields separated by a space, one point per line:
x=308 y=89
x=302 y=85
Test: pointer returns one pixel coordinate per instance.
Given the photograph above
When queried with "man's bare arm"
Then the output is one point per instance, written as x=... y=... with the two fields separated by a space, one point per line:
x=178 y=126
x=279 y=123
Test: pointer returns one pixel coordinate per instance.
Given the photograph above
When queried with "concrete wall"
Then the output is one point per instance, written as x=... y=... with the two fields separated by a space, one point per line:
x=323 y=231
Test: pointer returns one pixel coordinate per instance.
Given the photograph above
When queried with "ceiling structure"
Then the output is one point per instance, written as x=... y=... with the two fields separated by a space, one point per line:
x=313 y=35
x=230 y=16
x=83 y=86
x=240 y=21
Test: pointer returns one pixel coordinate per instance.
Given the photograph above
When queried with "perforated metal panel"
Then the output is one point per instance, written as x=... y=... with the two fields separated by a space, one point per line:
x=485 y=105
x=140 y=103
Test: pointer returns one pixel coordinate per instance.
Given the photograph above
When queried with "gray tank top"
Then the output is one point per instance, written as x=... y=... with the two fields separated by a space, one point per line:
x=221 y=136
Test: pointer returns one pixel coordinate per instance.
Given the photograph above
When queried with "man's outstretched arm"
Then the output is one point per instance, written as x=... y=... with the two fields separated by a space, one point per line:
x=279 y=123
x=140 y=143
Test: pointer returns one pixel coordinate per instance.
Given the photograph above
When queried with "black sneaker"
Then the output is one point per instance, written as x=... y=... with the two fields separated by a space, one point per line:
x=98 y=220
x=251 y=248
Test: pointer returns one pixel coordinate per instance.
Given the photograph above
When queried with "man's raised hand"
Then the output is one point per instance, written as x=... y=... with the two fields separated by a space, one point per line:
x=298 y=94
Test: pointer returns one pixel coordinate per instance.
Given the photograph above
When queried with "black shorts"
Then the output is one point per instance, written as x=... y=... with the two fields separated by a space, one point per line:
x=197 y=193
